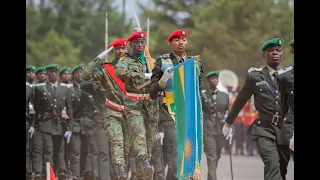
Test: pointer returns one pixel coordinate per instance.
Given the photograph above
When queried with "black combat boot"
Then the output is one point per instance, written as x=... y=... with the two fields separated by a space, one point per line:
x=38 y=176
x=29 y=176
x=62 y=175
x=147 y=171
x=120 y=172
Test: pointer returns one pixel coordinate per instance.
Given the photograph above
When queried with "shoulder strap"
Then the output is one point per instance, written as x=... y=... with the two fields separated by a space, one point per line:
x=111 y=71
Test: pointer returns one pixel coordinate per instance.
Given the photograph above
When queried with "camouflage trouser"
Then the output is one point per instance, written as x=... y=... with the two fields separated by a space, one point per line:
x=142 y=119
x=117 y=131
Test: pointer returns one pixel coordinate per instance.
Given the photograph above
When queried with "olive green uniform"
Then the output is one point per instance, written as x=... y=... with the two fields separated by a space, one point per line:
x=215 y=105
x=265 y=129
x=29 y=115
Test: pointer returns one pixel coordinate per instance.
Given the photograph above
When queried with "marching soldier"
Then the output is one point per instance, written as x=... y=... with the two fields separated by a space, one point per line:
x=142 y=113
x=215 y=106
x=78 y=142
x=37 y=144
x=29 y=113
x=92 y=103
x=65 y=76
x=41 y=74
x=286 y=89
x=50 y=100
x=161 y=82
x=265 y=130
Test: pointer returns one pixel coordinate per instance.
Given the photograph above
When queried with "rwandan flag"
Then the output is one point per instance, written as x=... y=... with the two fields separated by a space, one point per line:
x=188 y=118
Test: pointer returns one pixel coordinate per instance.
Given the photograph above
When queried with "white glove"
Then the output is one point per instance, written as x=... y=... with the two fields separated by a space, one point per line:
x=147 y=75
x=160 y=136
x=291 y=146
x=225 y=130
x=229 y=136
x=31 y=131
x=68 y=135
x=167 y=74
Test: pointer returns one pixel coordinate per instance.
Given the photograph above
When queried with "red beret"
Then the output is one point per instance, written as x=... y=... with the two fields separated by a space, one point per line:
x=178 y=34
x=118 y=42
x=137 y=35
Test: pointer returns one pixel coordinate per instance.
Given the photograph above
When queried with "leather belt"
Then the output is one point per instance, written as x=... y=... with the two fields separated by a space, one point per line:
x=114 y=106
x=138 y=96
x=268 y=117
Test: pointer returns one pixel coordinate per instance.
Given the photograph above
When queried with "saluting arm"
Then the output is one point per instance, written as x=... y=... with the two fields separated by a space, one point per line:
x=242 y=98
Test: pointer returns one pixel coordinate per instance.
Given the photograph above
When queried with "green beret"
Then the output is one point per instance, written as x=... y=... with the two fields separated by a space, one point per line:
x=40 y=69
x=64 y=69
x=272 y=43
x=212 y=73
x=30 y=67
x=53 y=66
x=74 y=69
x=291 y=43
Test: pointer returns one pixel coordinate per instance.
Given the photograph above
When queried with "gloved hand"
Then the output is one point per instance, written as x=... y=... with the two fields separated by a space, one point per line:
x=31 y=131
x=147 y=75
x=167 y=74
x=230 y=136
x=68 y=135
x=160 y=136
x=291 y=146
x=225 y=130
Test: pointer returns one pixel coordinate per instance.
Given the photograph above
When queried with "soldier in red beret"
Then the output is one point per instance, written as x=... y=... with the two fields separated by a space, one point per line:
x=141 y=111
x=162 y=84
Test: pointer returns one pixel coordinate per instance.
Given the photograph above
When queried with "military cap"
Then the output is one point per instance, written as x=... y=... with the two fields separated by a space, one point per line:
x=53 y=66
x=64 y=69
x=30 y=67
x=275 y=42
x=137 y=35
x=74 y=69
x=118 y=43
x=178 y=34
x=212 y=73
x=40 y=69
x=291 y=43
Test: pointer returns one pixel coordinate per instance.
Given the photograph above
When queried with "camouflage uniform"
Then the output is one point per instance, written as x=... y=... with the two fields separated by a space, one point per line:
x=142 y=112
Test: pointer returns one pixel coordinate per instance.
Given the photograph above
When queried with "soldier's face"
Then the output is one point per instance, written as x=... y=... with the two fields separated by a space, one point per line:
x=77 y=76
x=66 y=76
x=30 y=75
x=273 y=56
x=42 y=76
x=52 y=75
x=138 y=45
x=213 y=81
x=119 y=51
x=179 y=45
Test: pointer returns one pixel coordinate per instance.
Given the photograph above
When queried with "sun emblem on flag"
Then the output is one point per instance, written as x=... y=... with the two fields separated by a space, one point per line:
x=188 y=149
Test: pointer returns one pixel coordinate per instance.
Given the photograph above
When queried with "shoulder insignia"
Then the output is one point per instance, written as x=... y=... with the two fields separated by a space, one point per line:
x=254 y=69
x=285 y=70
x=41 y=84
x=165 y=56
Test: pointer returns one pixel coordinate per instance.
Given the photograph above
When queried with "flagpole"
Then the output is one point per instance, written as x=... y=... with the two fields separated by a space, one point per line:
x=106 y=36
x=48 y=171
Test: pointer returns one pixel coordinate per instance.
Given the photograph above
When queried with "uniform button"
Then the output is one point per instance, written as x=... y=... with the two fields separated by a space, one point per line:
x=55 y=99
x=260 y=89
x=277 y=97
x=277 y=112
x=259 y=122
x=276 y=102
x=277 y=91
x=291 y=92
x=78 y=99
x=51 y=104
x=214 y=103
x=55 y=105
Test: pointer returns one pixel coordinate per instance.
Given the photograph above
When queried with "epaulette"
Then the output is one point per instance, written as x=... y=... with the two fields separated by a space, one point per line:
x=28 y=84
x=254 y=69
x=285 y=70
x=41 y=84
x=165 y=56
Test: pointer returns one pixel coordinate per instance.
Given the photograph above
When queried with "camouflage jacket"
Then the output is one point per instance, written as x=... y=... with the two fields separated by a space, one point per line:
x=132 y=72
x=113 y=91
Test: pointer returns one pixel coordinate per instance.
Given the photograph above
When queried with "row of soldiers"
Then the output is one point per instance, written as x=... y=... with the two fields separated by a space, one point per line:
x=125 y=104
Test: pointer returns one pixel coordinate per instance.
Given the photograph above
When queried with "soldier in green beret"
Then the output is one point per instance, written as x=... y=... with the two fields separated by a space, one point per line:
x=41 y=74
x=286 y=89
x=51 y=99
x=29 y=114
x=266 y=129
x=64 y=75
x=215 y=105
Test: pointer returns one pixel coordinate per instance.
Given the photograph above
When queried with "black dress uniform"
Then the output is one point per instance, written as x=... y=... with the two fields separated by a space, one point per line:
x=286 y=89
x=166 y=121
x=29 y=115
x=215 y=105
x=265 y=129
x=49 y=103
